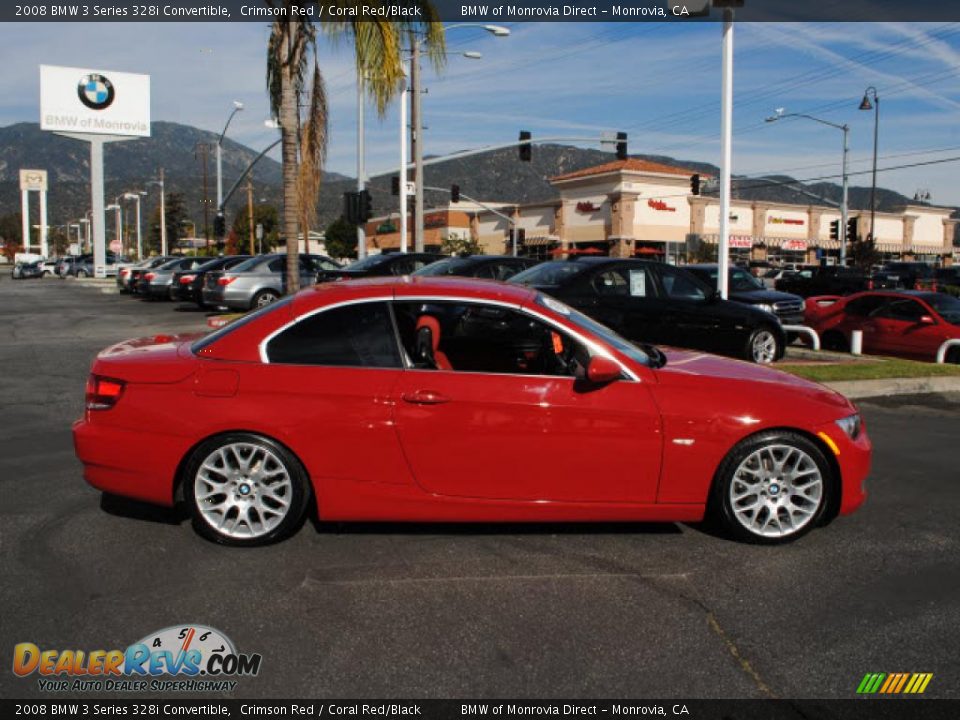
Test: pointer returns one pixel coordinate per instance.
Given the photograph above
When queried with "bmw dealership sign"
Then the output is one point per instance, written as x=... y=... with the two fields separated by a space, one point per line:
x=100 y=102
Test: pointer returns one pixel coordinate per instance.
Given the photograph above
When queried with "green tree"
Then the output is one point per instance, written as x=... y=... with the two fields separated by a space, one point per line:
x=176 y=214
x=266 y=215
x=863 y=254
x=456 y=244
x=341 y=239
x=11 y=235
x=294 y=80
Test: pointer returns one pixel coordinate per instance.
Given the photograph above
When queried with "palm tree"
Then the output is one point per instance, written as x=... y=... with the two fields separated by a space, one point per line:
x=293 y=75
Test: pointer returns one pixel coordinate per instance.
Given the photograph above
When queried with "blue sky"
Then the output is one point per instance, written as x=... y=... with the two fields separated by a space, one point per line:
x=658 y=81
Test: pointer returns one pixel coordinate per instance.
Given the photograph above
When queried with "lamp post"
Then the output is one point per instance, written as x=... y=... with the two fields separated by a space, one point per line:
x=844 y=209
x=416 y=122
x=866 y=105
x=115 y=205
x=163 y=213
x=136 y=196
x=85 y=221
x=237 y=107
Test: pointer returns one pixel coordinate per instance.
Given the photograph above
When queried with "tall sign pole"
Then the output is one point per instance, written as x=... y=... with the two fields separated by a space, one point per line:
x=361 y=170
x=403 y=166
x=726 y=151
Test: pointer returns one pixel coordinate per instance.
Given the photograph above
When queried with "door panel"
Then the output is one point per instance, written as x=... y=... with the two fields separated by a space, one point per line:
x=529 y=437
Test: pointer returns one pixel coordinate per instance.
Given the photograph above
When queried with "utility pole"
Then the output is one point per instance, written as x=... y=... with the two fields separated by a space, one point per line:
x=417 y=142
x=250 y=212
x=204 y=149
x=726 y=145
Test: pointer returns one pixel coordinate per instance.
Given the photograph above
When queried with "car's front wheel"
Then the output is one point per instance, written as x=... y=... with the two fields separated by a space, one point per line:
x=764 y=346
x=772 y=488
x=245 y=489
x=262 y=298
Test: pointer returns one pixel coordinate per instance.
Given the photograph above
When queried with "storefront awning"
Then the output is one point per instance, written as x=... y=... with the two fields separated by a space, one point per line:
x=540 y=240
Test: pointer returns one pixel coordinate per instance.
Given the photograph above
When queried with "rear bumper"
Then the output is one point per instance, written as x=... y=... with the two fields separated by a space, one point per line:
x=156 y=291
x=134 y=464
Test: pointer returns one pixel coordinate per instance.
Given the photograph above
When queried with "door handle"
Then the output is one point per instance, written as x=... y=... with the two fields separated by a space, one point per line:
x=425 y=397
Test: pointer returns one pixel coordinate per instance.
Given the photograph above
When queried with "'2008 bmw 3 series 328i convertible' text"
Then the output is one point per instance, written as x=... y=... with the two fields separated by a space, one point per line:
x=450 y=399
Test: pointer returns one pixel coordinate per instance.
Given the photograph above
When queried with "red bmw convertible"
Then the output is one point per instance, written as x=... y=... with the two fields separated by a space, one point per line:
x=436 y=399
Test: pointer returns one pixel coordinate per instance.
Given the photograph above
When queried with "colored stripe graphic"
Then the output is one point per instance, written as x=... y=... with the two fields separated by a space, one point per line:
x=894 y=683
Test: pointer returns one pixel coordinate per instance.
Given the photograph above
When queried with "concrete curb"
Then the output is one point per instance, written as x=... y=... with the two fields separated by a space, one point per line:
x=895 y=386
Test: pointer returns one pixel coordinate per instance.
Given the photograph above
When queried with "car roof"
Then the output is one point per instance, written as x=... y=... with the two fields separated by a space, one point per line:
x=419 y=286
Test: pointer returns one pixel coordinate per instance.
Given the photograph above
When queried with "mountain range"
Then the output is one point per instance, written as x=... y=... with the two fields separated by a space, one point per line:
x=497 y=175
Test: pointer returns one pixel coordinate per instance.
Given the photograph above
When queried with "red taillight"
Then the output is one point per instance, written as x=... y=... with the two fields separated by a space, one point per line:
x=149 y=276
x=869 y=284
x=103 y=393
x=187 y=279
x=225 y=280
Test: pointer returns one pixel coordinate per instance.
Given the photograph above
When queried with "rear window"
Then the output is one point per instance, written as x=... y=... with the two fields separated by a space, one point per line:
x=549 y=273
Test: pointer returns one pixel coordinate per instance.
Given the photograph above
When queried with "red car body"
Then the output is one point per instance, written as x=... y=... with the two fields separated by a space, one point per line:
x=376 y=446
x=899 y=323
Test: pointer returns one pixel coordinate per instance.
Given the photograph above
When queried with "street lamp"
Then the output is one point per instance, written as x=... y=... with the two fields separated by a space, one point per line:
x=136 y=196
x=416 y=120
x=163 y=213
x=865 y=105
x=237 y=107
x=844 y=210
x=115 y=205
x=85 y=221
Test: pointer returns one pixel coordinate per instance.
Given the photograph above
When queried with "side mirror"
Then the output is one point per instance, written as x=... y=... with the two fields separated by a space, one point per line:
x=927 y=320
x=602 y=370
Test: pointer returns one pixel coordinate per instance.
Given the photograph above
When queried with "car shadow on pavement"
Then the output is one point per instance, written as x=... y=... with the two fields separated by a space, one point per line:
x=484 y=528
x=136 y=510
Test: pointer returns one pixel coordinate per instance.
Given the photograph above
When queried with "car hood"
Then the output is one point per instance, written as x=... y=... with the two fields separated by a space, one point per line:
x=154 y=359
x=768 y=297
x=686 y=367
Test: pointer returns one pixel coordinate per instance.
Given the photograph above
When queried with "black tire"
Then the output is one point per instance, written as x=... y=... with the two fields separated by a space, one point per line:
x=772 y=342
x=264 y=297
x=835 y=341
x=722 y=509
x=298 y=495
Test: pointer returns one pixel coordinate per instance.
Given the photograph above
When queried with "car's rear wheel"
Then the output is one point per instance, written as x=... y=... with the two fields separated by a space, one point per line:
x=264 y=297
x=763 y=347
x=772 y=488
x=245 y=489
x=81 y=273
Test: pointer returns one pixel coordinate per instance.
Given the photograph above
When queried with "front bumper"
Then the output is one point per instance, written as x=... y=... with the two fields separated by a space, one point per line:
x=853 y=457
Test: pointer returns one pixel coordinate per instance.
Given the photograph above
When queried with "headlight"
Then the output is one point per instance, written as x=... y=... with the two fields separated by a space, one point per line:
x=851 y=425
x=765 y=308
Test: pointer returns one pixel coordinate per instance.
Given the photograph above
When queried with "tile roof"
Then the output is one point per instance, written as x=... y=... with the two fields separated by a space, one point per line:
x=628 y=165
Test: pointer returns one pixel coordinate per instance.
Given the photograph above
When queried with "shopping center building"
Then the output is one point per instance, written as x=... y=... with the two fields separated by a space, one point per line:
x=637 y=208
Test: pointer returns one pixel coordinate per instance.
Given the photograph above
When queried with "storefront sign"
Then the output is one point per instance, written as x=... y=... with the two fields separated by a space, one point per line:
x=660 y=205
x=741 y=241
x=795 y=245
x=784 y=221
x=587 y=207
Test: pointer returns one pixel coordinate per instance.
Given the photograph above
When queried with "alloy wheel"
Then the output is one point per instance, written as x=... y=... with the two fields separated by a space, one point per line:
x=763 y=348
x=243 y=490
x=776 y=491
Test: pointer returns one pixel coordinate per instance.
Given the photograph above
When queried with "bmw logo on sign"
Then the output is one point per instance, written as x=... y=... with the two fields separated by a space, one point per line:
x=95 y=91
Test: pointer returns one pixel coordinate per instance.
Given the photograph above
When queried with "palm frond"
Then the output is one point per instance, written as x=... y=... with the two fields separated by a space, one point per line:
x=313 y=148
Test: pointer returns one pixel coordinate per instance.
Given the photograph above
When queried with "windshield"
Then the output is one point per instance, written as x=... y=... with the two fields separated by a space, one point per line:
x=548 y=273
x=740 y=280
x=946 y=305
x=450 y=266
x=367 y=263
x=594 y=328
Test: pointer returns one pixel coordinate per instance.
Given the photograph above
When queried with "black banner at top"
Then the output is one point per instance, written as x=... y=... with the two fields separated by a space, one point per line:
x=482 y=11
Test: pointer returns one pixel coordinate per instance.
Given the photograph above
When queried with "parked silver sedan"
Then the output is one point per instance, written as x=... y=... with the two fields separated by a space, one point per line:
x=155 y=283
x=260 y=280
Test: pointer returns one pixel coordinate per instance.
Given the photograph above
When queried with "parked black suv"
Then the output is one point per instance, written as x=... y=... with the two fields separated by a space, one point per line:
x=745 y=288
x=907 y=275
x=381 y=265
x=490 y=267
x=655 y=303
x=825 y=280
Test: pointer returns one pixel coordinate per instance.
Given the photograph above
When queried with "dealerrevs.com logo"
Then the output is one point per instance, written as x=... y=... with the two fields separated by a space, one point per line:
x=197 y=658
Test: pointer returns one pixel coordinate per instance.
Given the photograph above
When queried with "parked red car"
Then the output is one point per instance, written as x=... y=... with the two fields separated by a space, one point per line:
x=452 y=399
x=902 y=323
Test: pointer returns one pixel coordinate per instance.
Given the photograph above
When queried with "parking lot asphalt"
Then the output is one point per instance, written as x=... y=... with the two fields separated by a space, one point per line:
x=389 y=610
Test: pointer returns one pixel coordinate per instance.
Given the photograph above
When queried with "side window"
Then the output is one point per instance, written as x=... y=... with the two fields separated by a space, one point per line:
x=906 y=310
x=276 y=265
x=402 y=267
x=612 y=283
x=359 y=335
x=488 y=272
x=509 y=269
x=678 y=285
x=328 y=265
x=469 y=337
x=865 y=306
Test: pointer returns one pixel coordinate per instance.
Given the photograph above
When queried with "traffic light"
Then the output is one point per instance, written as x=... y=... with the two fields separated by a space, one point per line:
x=695 y=183
x=455 y=193
x=219 y=225
x=366 y=205
x=525 y=148
x=852 y=229
x=395 y=185
x=351 y=208
x=621 y=146
x=835 y=230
